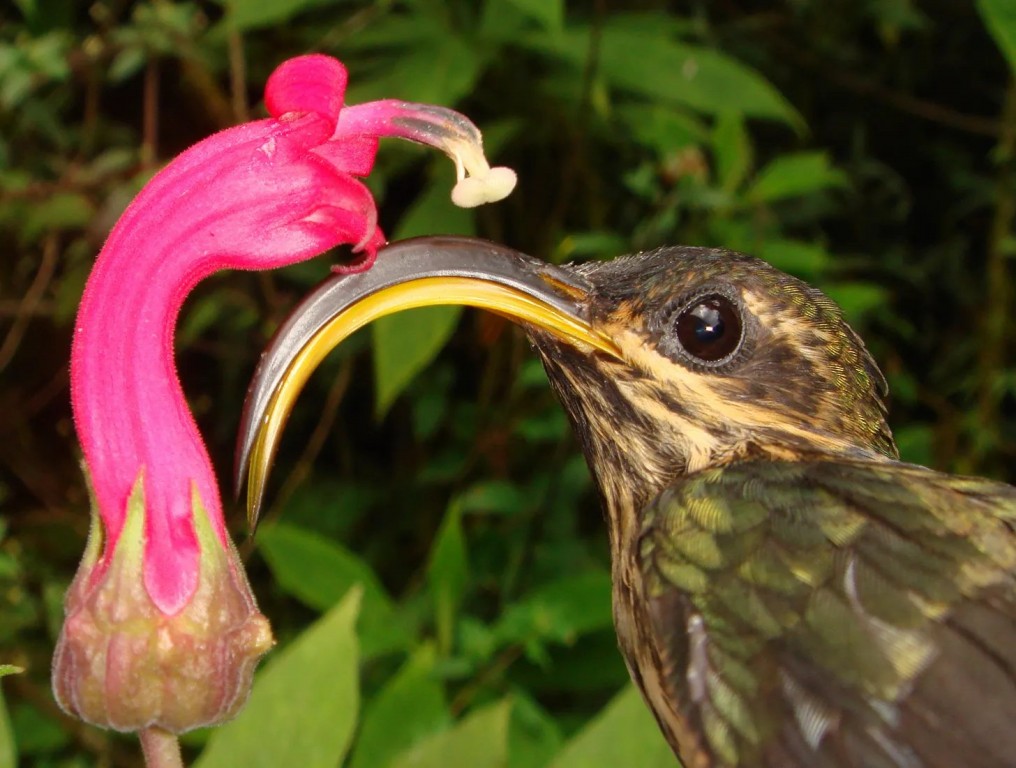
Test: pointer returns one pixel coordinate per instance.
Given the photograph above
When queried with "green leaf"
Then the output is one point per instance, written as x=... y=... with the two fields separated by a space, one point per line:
x=433 y=212
x=999 y=17
x=406 y=342
x=127 y=63
x=637 y=55
x=624 y=733
x=10 y=669
x=591 y=667
x=447 y=574
x=534 y=736
x=319 y=572
x=793 y=175
x=243 y=15
x=549 y=13
x=805 y=260
x=434 y=67
x=662 y=127
x=479 y=741
x=732 y=149
x=304 y=705
x=8 y=749
x=595 y=244
x=493 y=497
x=410 y=707
x=37 y=733
x=62 y=210
x=561 y=610
x=857 y=299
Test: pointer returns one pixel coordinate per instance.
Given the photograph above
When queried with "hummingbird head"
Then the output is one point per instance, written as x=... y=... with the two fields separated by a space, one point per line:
x=720 y=355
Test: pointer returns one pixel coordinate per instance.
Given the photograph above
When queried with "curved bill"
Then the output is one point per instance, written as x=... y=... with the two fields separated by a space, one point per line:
x=420 y=272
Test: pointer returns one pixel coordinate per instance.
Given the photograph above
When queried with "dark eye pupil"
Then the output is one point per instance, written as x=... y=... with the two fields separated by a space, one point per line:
x=710 y=329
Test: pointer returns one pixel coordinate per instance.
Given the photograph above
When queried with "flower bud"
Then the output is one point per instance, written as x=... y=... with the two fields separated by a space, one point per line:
x=122 y=663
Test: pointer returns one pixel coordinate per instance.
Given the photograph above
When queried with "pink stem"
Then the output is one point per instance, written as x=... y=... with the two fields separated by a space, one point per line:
x=161 y=748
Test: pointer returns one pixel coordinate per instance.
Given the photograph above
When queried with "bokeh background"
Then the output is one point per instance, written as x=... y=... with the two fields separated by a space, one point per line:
x=867 y=147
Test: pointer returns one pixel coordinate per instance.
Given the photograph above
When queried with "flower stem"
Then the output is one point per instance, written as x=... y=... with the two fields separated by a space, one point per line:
x=161 y=748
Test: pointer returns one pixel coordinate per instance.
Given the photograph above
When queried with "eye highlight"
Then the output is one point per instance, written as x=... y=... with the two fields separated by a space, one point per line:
x=710 y=328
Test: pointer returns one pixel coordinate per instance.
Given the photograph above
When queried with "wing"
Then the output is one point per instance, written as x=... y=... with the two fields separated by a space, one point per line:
x=827 y=614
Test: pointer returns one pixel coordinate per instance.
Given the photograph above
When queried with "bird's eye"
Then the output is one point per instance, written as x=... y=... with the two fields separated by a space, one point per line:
x=710 y=328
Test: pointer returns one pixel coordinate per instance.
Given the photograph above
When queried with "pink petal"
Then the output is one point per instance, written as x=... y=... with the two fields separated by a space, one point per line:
x=313 y=83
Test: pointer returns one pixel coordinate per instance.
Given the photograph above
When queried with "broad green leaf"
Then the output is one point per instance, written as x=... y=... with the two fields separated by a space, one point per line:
x=410 y=707
x=37 y=732
x=590 y=667
x=433 y=64
x=624 y=733
x=434 y=213
x=1000 y=18
x=857 y=299
x=404 y=343
x=502 y=21
x=806 y=260
x=595 y=244
x=793 y=175
x=561 y=610
x=10 y=669
x=534 y=735
x=659 y=68
x=493 y=496
x=63 y=210
x=662 y=127
x=732 y=150
x=319 y=572
x=8 y=749
x=479 y=741
x=549 y=13
x=330 y=506
x=303 y=709
x=127 y=63
x=447 y=574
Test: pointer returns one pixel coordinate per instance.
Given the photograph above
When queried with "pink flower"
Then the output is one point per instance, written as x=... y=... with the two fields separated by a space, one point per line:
x=162 y=628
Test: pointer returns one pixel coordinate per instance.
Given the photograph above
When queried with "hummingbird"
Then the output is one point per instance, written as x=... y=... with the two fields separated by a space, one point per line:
x=787 y=593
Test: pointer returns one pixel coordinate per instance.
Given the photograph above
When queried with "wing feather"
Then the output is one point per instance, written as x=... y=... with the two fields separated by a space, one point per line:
x=852 y=613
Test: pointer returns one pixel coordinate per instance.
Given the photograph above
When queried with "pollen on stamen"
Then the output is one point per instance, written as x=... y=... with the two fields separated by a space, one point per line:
x=496 y=184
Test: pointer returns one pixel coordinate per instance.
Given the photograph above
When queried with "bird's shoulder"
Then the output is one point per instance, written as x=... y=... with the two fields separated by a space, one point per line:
x=835 y=612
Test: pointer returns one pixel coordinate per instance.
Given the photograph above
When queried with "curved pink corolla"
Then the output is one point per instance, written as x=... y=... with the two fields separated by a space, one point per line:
x=252 y=197
x=258 y=196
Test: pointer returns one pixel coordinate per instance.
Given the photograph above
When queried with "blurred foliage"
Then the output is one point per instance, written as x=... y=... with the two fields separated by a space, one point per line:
x=866 y=147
